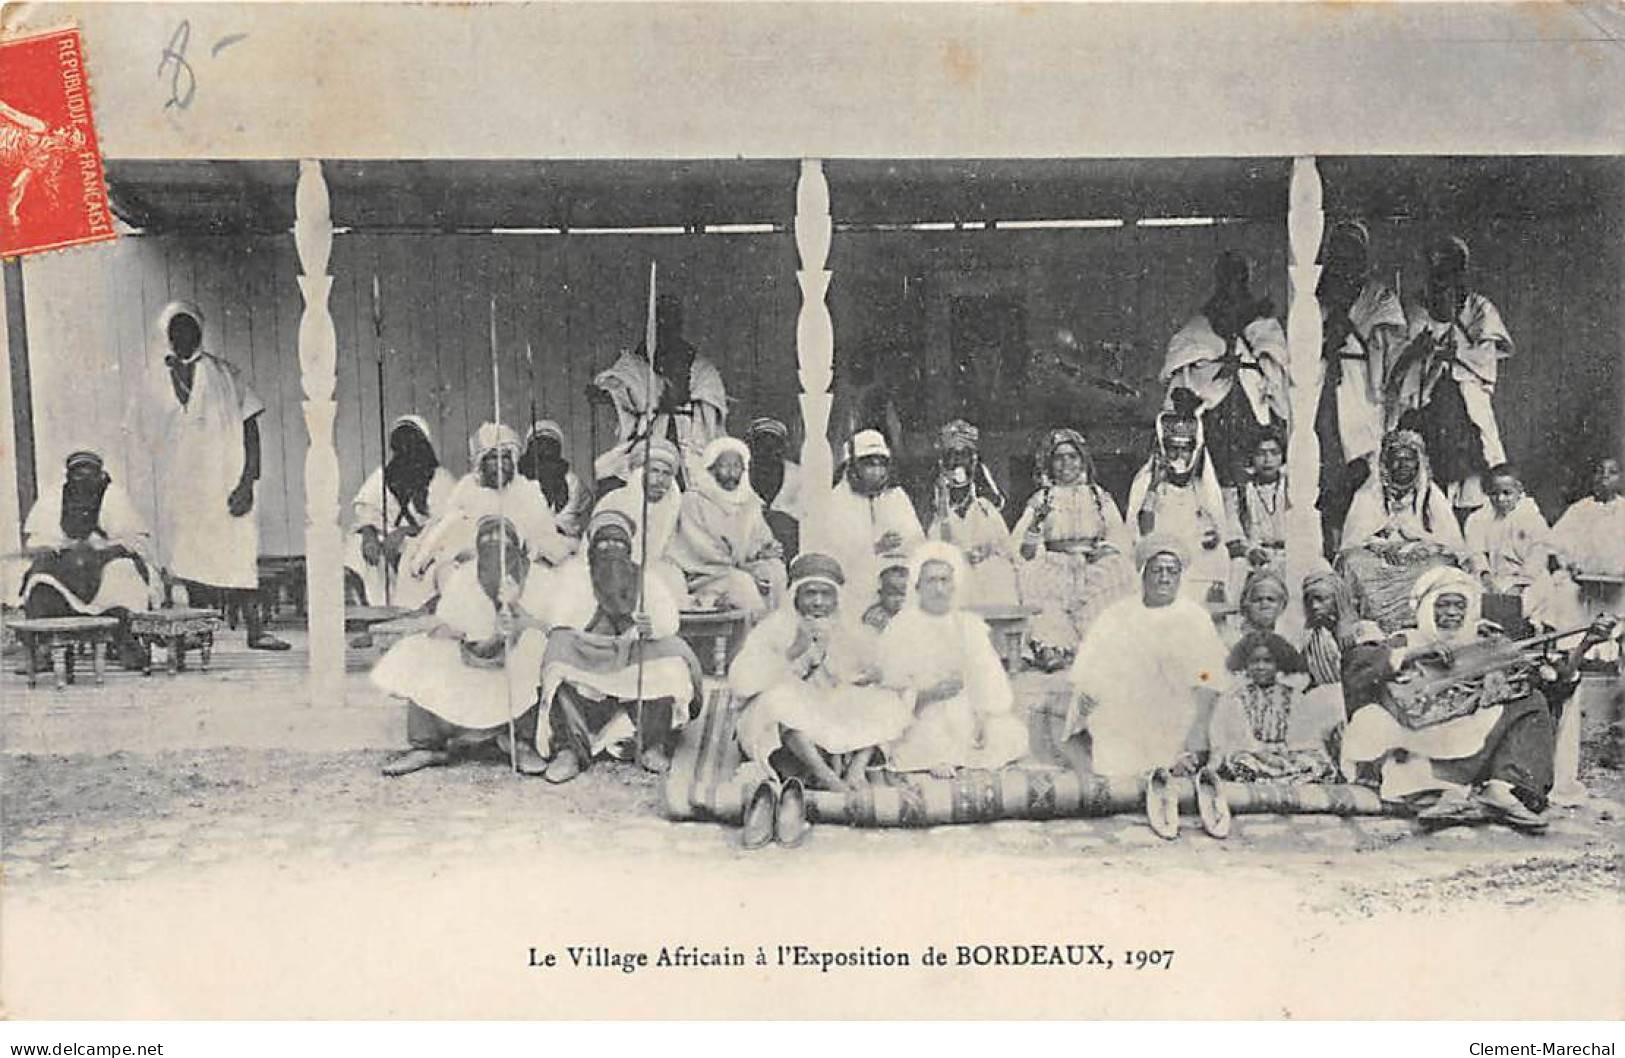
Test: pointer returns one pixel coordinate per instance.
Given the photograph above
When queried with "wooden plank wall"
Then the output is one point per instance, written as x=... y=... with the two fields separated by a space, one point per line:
x=580 y=299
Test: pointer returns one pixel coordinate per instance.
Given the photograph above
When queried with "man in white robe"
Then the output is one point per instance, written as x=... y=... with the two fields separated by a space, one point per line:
x=1445 y=379
x=615 y=668
x=723 y=544
x=493 y=487
x=1362 y=332
x=1233 y=356
x=689 y=401
x=658 y=479
x=208 y=459
x=391 y=509
x=869 y=521
x=1147 y=675
x=475 y=669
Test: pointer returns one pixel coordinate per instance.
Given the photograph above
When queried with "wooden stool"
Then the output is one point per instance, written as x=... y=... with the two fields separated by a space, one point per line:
x=1008 y=625
x=62 y=636
x=180 y=629
x=723 y=631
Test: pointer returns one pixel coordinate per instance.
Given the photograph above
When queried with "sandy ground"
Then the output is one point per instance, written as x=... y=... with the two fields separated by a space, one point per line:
x=282 y=883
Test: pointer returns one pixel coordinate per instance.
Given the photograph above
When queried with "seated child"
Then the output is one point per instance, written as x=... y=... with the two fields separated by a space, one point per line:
x=1265 y=730
x=893 y=596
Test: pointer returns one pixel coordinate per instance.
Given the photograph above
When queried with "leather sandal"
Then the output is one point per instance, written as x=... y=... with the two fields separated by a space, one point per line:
x=530 y=762
x=564 y=767
x=1212 y=806
x=1161 y=804
x=416 y=760
x=654 y=759
x=790 y=826
x=760 y=809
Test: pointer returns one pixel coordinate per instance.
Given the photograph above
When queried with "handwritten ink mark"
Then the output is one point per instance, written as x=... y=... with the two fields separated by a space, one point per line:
x=225 y=42
x=175 y=53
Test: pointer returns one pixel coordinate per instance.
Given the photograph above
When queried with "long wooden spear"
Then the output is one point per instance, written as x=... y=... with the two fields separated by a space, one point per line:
x=383 y=431
x=643 y=522
x=502 y=542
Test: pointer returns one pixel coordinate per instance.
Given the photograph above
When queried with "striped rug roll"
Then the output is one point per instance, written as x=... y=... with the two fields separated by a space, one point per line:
x=704 y=784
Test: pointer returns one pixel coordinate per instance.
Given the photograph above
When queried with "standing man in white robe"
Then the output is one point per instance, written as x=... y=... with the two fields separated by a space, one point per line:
x=689 y=401
x=1233 y=356
x=1445 y=379
x=1363 y=330
x=208 y=450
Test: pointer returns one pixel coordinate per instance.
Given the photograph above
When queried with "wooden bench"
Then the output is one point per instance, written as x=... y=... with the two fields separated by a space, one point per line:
x=63 y=636
x=1008 y=625
x=715 y=636
x=178 y=629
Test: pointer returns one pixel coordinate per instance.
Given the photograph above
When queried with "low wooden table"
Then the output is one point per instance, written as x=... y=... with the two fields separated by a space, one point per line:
x=722 y=631
x=1008 y=624
x=62 y=636
x=179 y=629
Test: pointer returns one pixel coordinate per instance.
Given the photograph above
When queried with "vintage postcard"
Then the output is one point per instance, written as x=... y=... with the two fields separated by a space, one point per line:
x=685 y=510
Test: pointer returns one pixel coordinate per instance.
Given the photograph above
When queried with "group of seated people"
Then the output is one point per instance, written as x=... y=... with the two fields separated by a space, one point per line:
x=867 y=653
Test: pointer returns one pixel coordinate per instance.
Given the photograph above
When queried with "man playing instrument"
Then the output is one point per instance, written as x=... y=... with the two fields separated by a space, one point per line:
x=1471 y=748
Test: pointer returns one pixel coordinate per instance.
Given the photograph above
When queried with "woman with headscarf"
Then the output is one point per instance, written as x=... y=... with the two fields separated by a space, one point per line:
x=91 y=550
x=614 y=659
x=1177 y=494
x=869 y=522
x=412 y=487
x=475 y=668
x=940 y=657
x=810 y=675
x=1233 y=356
x=492 y=487
x=1074 y=550
x=1399 y=525
x=1484 y=746
x=723 y=545
x=1148 y=673
x=1362 y=330
x=658 y=478
x=966 y=506
x=1443 y=382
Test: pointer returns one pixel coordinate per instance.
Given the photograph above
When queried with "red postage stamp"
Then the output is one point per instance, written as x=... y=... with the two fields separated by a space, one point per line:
x=55 y=193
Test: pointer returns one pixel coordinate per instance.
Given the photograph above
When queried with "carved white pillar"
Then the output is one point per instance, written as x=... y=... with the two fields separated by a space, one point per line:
x=1305 y=222
x=318 y=356
x=815 y=347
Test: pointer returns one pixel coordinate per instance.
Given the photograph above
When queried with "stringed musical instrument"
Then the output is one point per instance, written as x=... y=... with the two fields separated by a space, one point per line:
x=1481 y=674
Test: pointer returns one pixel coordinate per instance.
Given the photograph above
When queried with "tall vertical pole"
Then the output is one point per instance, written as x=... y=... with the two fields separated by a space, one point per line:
x=318 y=356
x=815 y=350
x=383 y=429
x=1305 y=223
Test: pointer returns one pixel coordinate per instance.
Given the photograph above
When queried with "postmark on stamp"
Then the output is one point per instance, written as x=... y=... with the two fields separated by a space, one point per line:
x=53 y=192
